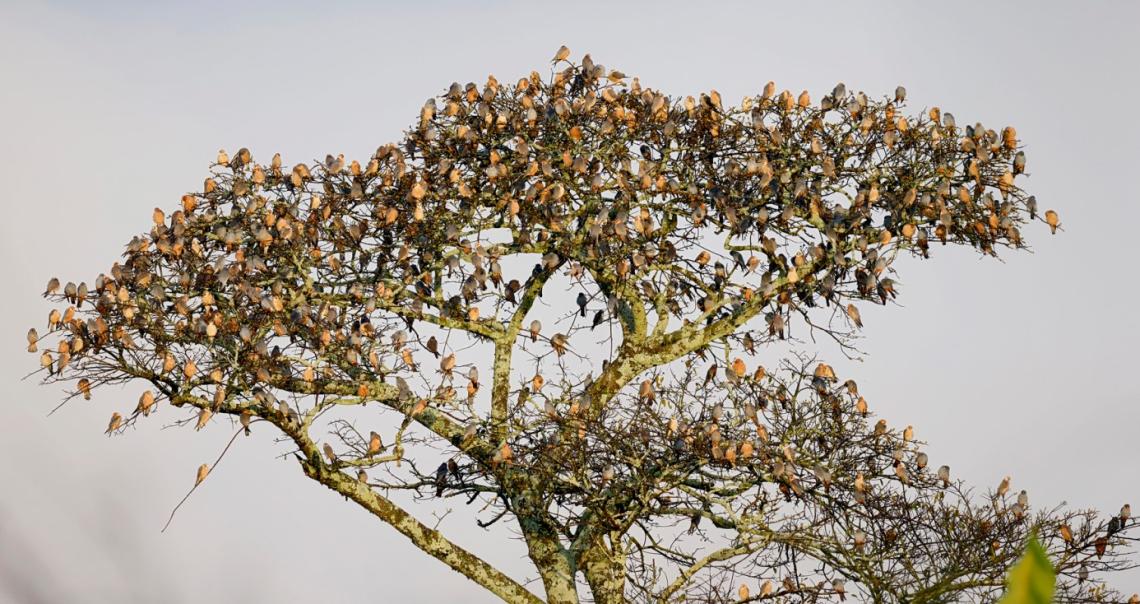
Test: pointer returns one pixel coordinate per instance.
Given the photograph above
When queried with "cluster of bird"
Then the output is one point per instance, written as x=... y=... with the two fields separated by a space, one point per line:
x=271 y=273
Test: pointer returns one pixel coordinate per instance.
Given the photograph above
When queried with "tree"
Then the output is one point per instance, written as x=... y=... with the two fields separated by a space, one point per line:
x=384 y=318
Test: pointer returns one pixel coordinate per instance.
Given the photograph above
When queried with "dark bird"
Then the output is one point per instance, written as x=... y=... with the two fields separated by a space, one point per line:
x=440 y=479
x=582 y=299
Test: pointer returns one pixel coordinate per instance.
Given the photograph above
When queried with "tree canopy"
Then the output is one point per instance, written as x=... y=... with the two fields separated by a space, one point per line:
x=581 y=307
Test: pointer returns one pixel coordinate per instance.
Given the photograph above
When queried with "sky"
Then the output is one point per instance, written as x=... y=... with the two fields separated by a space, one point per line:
x=1024 y=366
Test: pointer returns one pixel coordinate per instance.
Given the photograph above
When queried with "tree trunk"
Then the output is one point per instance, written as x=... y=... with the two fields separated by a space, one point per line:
x=553 y=563
x=605 y=572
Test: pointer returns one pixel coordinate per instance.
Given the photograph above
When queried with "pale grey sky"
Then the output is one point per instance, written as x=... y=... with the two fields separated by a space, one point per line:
x=1025 y=367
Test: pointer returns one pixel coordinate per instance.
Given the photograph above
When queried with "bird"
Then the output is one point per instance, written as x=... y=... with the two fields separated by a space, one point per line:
x=944 y=475
x=203 y=418
x=582 y=300
x=33 y=337
x=558 y=342
x=853 y=314
x=1003 y=487
x=114 y=424
x=1052 y=220
x=433 y=346
x=1101 y=546
x=52 y=287
x=535 y=328
x=440 y=479
x=374 y=443
x=1125 y=514
x=146 y=401
x=1066 y=533
x=900 y=471
x=447 y=364
x=562 y=54
x=453 y=468
x=599 y=317
x=329 y=453
x=645 y=391
x=743 y=592
x=203 y=470
x=245 y=417
x=840 y=589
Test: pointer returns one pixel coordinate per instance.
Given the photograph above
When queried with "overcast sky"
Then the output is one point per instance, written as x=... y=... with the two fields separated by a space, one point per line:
x=1025 y=367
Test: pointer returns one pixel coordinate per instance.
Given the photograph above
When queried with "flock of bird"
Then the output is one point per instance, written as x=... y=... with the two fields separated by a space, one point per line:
x=701 y=215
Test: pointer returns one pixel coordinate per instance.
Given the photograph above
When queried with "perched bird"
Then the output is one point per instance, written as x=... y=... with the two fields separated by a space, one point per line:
x=1052 y=220
x=853 y=314
x=645 y=392
x=447 y=364
x=944 y=475
x=203 y=470
x=115 y=423
x=1003 y=487
x=743 y=592
x=52 y=287
x=582 y=300
x=329 y=453
x=558 y=342
x=440 y=479
x=146 y=402
x=562 y=54
x=33 y=337
x=433 y=346
x=453 y=468
x=203 y=418
x=535 y=328
x=839 y=586
x=245 y=417
x=1125 y=514
x=374 y=443
x=599 y=317
x=1101 y=546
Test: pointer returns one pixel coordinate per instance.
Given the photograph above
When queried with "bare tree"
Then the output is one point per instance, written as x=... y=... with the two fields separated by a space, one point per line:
x=383 y=319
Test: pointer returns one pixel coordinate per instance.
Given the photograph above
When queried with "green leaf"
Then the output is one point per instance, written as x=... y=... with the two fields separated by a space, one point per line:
x=1031 y=580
